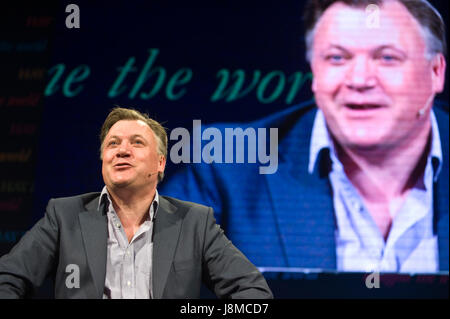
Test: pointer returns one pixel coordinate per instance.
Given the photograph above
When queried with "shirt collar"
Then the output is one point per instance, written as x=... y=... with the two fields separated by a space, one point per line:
x=104 y=196
x=320 y=139
x=436 y=148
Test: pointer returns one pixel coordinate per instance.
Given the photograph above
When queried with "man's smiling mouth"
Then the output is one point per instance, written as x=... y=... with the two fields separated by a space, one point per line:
x=362 y=107
x=122 y=165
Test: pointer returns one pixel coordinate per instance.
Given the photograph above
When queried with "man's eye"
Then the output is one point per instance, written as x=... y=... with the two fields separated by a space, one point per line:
x=389 y=58
x=112 y=143
x=138 y=142
x=335 y=58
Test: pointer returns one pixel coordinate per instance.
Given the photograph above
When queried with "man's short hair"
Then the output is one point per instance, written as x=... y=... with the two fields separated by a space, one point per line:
x=120 y=113
x=432 y=25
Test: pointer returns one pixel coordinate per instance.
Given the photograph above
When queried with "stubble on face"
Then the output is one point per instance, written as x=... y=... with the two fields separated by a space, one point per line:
x=370 y=83
x=130 y=158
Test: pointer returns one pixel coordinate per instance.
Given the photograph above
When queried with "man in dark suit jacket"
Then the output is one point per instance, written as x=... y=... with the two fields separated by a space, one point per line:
x=129 y=242
x=287 y=219
x=362 y=183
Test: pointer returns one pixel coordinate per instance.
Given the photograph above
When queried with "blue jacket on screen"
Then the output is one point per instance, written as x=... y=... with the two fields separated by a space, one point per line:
x=287 y=219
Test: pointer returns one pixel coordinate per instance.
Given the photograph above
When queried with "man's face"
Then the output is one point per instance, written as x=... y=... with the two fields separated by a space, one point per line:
x=371 y=82
x=130 y=157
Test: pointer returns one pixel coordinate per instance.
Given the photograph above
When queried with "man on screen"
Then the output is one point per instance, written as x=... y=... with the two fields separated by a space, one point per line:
x=362 y=183
x=128 y=241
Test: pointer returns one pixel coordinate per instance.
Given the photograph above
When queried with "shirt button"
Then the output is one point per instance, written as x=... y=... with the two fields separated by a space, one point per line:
x=128 y=283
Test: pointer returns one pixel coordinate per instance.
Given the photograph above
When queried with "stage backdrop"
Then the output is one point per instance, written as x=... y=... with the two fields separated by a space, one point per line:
x=221 y=61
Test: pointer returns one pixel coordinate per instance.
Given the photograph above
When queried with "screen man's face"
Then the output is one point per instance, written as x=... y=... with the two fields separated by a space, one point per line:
x=370 y=79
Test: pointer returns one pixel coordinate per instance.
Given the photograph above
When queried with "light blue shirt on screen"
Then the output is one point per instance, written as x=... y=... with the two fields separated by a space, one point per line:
x=411 y=246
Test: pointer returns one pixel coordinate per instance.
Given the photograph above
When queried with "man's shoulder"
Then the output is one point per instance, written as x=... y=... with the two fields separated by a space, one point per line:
x=294 y=126
x=182 y=203
x=302 y=113
x=178 y=206
x=77 y=203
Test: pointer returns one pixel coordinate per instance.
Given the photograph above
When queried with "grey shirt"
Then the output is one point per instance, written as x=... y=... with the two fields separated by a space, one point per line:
x=128 y=264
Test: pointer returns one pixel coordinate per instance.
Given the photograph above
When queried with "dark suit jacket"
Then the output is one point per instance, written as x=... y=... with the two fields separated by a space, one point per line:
x=287 y=219
x=188 y=247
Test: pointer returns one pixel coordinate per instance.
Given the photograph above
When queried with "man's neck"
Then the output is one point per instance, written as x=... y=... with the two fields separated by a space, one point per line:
x=386 y=174
x=132 y=206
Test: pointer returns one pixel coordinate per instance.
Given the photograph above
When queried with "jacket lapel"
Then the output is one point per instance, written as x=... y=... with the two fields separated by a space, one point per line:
x=302 y=201
x=165 y=239
x=95 y=232
x=304 y=212
x=441 y=194
x=442 y=225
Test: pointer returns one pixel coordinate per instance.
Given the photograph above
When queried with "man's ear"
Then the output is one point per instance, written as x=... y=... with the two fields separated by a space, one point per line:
x=313 y=84
x=161 y=163
x=313 y=78
x=438 y=66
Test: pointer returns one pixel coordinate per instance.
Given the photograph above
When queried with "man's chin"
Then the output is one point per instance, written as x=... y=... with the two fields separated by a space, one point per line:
x=365 y=144
x=364 y=138
x=120 y=184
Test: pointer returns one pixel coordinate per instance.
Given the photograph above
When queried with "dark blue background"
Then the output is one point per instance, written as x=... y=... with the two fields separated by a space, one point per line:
x=205 y=37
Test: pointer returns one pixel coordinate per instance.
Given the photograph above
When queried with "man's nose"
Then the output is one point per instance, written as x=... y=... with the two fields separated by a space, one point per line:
x=123 y=150
x=361 y=74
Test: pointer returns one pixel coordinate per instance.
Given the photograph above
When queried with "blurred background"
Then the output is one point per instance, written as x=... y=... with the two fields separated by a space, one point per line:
x=176 y=61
